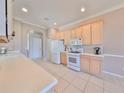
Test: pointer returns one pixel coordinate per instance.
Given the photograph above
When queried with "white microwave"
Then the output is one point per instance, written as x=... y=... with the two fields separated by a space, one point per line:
x=76 y=41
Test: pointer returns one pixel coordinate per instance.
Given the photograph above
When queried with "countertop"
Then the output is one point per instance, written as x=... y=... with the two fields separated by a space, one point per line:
x=88 y=54
x=18 y=74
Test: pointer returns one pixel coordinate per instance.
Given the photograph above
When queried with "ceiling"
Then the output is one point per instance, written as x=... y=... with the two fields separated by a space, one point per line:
x=46 y=12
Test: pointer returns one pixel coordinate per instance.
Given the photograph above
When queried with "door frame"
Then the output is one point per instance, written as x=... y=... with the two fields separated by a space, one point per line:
x=31 y=35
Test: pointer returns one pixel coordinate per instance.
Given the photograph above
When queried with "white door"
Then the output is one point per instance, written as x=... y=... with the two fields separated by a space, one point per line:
x=36 y=48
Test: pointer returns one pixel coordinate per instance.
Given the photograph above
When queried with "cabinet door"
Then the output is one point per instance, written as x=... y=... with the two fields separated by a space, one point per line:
x=61 y=35
x=52 y=33
x=85 y=63
x=95 y=65
x=67 y=37
x=78 y=32
x=97 y=32
x=64 y=58
x=86 y=34
x=58 y=35
x=73 y=34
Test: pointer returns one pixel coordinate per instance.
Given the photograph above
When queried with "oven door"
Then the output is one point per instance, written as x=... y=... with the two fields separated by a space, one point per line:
x=74 y=60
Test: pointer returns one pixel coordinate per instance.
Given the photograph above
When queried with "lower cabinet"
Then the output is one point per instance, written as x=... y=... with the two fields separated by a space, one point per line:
x=91 y=64
x=64 y=58
x=95 y=65
x=85 y=63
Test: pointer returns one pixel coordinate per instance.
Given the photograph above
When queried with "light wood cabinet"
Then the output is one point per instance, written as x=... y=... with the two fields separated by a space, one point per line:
x=59 y=35
x=56 y=36
x=73 y=34
x=91 y=64
x=90 y=34
x=52 y=34
x=64 y=58
x=67 y=37
x=78 y=32
x=95 y=65
x=86 y=34
x=85 y=63
x=96 y=29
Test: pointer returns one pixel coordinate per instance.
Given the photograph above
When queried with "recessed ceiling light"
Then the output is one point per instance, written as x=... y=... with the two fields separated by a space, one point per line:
x=25 y=10
x=55 y=23
x=82 y=9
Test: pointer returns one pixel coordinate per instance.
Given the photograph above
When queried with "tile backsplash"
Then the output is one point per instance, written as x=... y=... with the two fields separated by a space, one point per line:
x=90 y=49
x=85 y=48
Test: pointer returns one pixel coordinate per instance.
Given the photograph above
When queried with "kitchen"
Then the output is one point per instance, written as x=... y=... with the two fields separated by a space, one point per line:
x=76 y=40
x=61 y=47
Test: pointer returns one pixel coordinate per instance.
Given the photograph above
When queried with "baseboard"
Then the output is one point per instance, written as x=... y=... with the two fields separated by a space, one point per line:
x=113 y=74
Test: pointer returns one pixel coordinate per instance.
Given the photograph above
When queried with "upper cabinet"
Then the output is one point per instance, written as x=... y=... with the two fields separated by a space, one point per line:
x=52 y=33
x=78 y=32
x=86 y=34
x=59 y=35
x=5 y=17
x=96 y=29
x=90 y=34
x=67 y=37
x=73 y=34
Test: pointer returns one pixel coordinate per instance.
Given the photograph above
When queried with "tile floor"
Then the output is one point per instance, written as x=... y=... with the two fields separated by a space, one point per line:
x=78 y=82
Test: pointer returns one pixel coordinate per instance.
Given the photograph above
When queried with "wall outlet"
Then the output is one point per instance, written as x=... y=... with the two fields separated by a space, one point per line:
x=123 y=68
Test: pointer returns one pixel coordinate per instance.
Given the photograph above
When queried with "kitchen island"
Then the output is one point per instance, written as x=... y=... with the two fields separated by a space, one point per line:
x=18 y=74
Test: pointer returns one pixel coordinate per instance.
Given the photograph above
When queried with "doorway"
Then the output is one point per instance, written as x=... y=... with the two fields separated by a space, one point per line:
x=36 y=46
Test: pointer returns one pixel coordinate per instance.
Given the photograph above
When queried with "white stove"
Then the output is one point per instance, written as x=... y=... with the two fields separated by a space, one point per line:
x=74 y=61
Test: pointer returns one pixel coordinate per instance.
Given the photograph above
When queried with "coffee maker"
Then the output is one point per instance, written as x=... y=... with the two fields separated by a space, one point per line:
x=97 y=50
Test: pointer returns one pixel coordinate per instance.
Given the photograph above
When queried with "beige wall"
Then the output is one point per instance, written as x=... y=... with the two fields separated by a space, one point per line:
x=20 y=40
x=113 y=42
x=114 y=32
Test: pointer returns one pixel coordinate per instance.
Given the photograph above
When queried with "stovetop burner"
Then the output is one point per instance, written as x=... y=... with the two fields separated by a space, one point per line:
x=75 y=52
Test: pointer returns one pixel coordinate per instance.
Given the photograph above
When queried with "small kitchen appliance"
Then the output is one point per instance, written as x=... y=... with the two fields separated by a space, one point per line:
x=97 y=50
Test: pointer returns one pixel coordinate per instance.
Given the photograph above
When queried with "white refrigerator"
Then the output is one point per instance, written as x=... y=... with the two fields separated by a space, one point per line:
x=55 y=48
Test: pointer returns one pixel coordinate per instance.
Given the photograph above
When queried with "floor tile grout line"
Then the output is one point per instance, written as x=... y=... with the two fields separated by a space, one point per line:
x=70 y=83
x=65 y=88
x=103 y=85
x=86 y=85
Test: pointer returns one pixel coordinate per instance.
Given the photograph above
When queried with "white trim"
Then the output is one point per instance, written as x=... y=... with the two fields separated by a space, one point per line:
x=110 y=55
x=90 y=17
x=113 y=74
x=26 y=22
